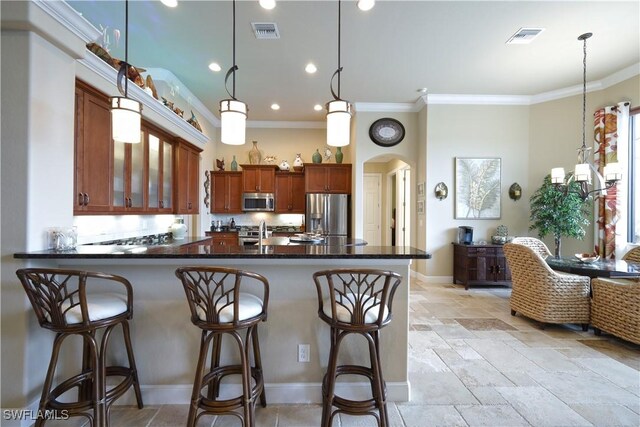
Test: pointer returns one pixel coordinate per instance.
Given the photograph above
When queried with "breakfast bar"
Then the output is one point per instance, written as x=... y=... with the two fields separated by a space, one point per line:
x=166 y=345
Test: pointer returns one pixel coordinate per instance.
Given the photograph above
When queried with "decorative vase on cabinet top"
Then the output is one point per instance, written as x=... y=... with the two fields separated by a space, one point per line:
x=284 y=166
x=178 y=229
x=339 y=155
x=317 y=157
x=255 y=157
x=298 y=163
x=234 y=164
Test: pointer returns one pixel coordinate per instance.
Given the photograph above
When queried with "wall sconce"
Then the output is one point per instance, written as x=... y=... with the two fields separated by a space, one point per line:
x=515 y=191
x=441 y=191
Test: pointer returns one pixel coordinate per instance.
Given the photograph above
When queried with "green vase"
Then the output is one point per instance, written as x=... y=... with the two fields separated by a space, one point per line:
x=339 y=155
x=317 y=157
x=234 y=164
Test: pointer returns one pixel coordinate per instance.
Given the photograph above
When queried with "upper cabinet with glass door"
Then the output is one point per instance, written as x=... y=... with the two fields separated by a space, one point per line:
x=128 y=176
x=160 y=172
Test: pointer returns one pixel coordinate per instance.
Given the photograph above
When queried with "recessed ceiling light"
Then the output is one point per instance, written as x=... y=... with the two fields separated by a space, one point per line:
x=366 y=4
x=170 y=3
x=275 y=107
x=310 y=68
x=317 y=107
x=525 y=35
x=422 y=90
x=214 y=66
x=267 y=4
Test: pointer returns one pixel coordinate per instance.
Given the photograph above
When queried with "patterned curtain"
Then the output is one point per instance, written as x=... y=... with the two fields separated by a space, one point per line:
x=606 y=151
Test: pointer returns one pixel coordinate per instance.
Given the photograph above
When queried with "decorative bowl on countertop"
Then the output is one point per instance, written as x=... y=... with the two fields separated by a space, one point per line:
x=587 y=258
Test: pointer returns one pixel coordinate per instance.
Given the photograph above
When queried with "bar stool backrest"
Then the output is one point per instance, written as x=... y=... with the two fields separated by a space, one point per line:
x=633 y=255
x=60 y=300
x=215 y=292
x=356 y=297
x=536 y=244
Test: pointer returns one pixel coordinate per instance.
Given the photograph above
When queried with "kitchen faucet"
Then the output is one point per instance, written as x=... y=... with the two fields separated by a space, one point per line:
x=262 y=229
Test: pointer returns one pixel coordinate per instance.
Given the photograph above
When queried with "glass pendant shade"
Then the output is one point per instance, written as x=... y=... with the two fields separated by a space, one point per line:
x=582 y=173
x=557 y=176
x=233 y=121
x=125 y=120
x=338 y=123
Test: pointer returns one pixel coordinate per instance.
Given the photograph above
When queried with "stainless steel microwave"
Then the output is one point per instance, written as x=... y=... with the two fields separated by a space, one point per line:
x=258 y=202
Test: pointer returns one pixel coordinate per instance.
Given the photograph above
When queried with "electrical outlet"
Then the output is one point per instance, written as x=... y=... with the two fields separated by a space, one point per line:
x=303 y=352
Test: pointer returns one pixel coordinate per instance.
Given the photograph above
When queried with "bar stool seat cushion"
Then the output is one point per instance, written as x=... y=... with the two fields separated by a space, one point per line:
x=249 y=306
x=99 y=306
x=344 y=308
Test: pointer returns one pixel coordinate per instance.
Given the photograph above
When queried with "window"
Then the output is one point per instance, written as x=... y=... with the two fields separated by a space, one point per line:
x=634 y=175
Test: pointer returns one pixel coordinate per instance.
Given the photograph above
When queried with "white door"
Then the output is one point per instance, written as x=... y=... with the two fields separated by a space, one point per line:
x=372 y=209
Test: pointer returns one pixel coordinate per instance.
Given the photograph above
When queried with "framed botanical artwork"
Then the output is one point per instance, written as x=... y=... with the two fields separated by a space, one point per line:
x=478 y=188
x=421 y=190
x=420 y=207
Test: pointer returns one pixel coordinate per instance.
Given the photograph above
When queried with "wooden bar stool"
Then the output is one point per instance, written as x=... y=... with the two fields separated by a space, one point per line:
x=224 y=301
x=355 y=301
x=62 y=303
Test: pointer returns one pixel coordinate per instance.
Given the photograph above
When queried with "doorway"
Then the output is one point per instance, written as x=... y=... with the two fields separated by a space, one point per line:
x=372 y=196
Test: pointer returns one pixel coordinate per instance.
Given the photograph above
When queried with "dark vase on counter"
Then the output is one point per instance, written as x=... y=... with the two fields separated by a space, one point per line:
x=339 y=155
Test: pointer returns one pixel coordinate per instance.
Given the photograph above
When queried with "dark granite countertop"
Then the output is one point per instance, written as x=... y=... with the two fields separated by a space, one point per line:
x=195 y=248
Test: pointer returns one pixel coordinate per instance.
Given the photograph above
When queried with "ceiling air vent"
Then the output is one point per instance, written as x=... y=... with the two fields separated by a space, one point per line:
x=524 y=35
x=265 y=30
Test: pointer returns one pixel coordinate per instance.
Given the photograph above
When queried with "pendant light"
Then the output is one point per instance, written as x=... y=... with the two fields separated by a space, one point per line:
x=338 y=110
x=125 y=112
x=233 y=113
x=584 y=167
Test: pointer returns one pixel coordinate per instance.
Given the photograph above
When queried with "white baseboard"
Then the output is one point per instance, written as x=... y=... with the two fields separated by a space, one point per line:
x=277 y=393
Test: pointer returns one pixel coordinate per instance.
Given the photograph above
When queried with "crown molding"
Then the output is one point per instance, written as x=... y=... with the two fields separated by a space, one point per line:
x=70 y=18
x=455 y=99
x=386 y=107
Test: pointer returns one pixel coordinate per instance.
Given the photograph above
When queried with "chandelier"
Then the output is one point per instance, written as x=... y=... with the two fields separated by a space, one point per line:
x=585 y=167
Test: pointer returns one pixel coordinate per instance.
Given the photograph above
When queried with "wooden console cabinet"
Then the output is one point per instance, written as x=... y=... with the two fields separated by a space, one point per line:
x=480 y=265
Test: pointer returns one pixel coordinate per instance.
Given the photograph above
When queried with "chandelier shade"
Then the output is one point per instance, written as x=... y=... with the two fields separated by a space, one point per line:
x=233 y=121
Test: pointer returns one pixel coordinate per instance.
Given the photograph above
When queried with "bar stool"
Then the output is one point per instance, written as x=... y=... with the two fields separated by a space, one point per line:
x=355 y=301
x=223 y=301
x=62 y=304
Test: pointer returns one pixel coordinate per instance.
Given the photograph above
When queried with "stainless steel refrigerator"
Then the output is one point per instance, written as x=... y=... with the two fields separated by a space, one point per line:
x=327 y=214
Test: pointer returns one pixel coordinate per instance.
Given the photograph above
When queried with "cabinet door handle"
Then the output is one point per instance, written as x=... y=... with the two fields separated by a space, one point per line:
x=189 y=205
x=85 y=199
x=497 y=269
x=161 y=204
x=80 y=199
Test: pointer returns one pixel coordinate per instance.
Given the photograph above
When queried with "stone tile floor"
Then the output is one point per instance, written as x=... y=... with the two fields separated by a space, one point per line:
x=473 y=364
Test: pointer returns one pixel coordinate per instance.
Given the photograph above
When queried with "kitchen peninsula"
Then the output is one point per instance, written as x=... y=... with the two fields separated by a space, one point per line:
x=166 y=344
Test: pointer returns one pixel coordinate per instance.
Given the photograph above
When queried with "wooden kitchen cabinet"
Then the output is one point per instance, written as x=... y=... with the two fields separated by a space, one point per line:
x=93 y=152
x=290 y=194
x=226 y=192
x=128 y=176
x=480 y=265
x=259 y=178
x=224 y=238
x=327 y=178
x=187 y=173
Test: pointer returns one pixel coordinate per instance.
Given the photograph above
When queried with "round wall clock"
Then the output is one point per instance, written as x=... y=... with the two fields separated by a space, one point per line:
x=386 y=132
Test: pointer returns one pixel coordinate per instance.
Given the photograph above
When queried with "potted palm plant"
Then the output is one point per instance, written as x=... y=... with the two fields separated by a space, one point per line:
x=558 y=212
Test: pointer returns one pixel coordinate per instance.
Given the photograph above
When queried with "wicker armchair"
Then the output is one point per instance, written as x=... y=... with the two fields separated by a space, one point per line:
x=542 y=294
x=536 y=244
x=633 y=255
x=615 y=308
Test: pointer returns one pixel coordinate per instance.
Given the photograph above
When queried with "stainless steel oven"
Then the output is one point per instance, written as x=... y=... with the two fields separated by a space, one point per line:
x=258 y=202
x=248 y=237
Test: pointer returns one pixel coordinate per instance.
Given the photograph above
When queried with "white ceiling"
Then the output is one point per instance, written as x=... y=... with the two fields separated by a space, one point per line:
x=388 y=53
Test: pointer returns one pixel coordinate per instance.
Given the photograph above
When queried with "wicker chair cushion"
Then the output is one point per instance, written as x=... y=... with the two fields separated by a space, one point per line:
x=249 y=306
x=345 y=306
x=99 y=306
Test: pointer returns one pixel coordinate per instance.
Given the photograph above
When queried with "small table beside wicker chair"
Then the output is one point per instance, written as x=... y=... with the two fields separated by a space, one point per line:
x=355 y=301
x=540 y=293
x=66 y=304
x=225 y=301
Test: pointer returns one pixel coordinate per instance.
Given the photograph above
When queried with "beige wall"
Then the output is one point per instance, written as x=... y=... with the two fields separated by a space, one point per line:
x=473 y=131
